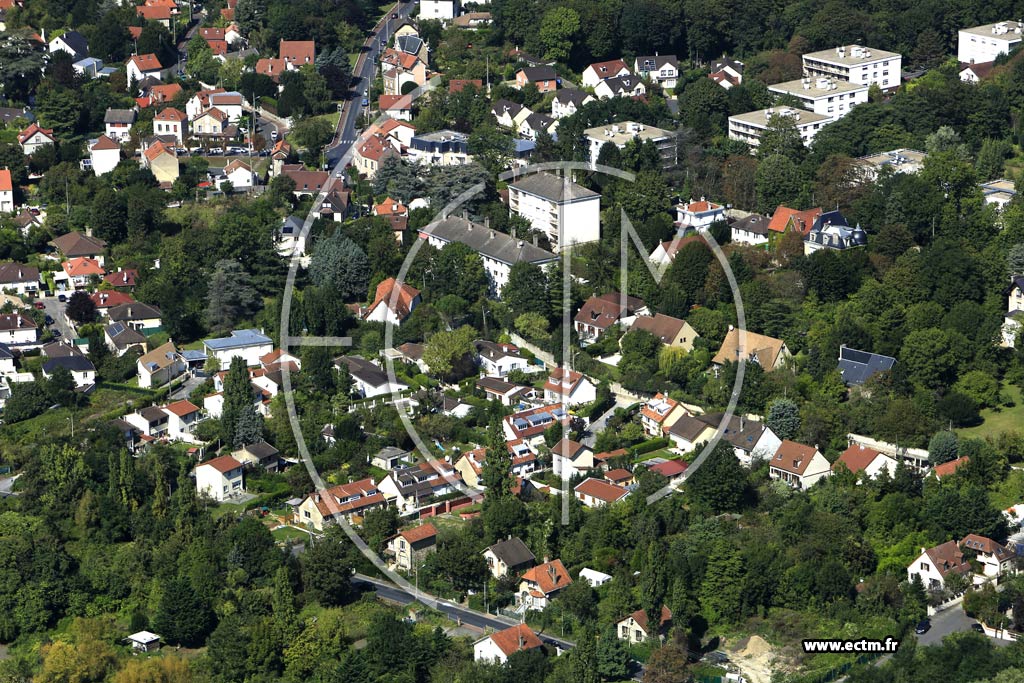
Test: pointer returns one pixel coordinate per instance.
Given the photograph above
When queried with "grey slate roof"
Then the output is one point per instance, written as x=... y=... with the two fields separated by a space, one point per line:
x=513 y=552
x=363 y=370
x=501 y=106
x=539 y=122
x=72 y=363
x=548 y=186
x=490 y=243
x=77 y=42
x=740 y=432
x=123 y=336
x=539 y=73
x=119 y=116
x=409 y=44
x=571 y=95
x=134 y=311
x=261 y=450
x=754 y=223
x=858 y=367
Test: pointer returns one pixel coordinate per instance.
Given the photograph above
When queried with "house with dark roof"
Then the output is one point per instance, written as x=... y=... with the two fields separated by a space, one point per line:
x=670 y=331
x=934 y=565
x=498 y=359
x=259 y=454
x=409 y=488
x=567 y=102
x=75 y=245
x=660 y=69
x=83 y=372
x=798 y=465
x=570 y=458
x=120 y=338
x=159 y=366
x=857 y=367
x=19 y=278
x=831 y=230
x=368 y=379
x=751 y=229
x=71 y=42
x=137 y=315
x=599 y=313
x=620 y=86
x=118 y=124
x=508 y=556
x=569 y=387
x=996 y=559
x=544 y=77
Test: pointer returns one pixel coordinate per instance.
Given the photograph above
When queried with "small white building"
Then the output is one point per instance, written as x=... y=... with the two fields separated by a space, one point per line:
x=239 y=174
x=18 y=278
x=660 y=69
x=569 y=387
x=570 y=458
x=599 y=71
x=220 y=478
x=996 y=559
x=751 y=126
x=594 y=577
x=699 y=215
x=564 y=211
x=18 y=330
x=933 y=565
x=751 y=229
x=104 y=155
x=144 y=641
x=497 y=360
x=83 y=372
x=856 y=64
x=798 y=465
x=139 y=67
x=393 y=303
x=595 y=493
x=249 y=345
x=635 y=628
x=171 y=121
x=858 y=458
x=368 y=379
x=828 y=96
x=444 y=10
x=984 y=43
x=498 y=647
x=34 y=138
x=117 y=124
x=567 y=102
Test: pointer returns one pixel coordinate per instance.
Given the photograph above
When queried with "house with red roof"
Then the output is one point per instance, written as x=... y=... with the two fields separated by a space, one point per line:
x=171 y=121
x=220 y=478
x=529 y=425
x=569 y=387
x=947 y=469
x=459 y=84
x=635 y=628
x=390 y=207
x=540 y=584
x=798 y=465
x=599 y=313
x=699 y=215
x=371 y=154
x=6 y=191
x=672 y=470
x=396 y=106
x=104 y=155
x=163 y=162
x=411 y=546
x=308 y=183
x=934 y=565
x=34 y=137
x=105 y=300
x=400 y=68
x=599 y=71
x=996 y=559
x=127 y=278
x=859 y=458
x=594 y=493
x=143 y=66
x=75 y=273
x=352 y=500
x=570 y=458
x=660 y=413
x=499 y=646
x=665 y=253
x=392 y=302
x=786 y=219
x=297 y=53
x=161 y=14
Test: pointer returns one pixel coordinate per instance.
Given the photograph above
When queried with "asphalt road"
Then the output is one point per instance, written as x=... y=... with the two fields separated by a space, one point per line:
x=345 y=134
x=467 y=617
x=598 y=425
x=55 y=309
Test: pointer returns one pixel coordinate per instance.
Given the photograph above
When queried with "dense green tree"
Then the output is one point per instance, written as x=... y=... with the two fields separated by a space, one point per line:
x=340 y=264
x=326 y=569
x=183 y=616
x=232 y=297
x=720 y=483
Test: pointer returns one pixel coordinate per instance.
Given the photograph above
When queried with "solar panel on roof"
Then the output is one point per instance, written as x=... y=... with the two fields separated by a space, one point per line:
x=117 y=328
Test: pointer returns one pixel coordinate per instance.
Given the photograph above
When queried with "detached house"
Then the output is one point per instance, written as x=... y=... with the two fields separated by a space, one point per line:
x=211 y=123
x=660 y=69
x=392 y=303
x=509 y=114
x=636 y=628
x=599 y=313
x=569 y=387
x=140 y=67
x=538 y=585
x=159 y=366
x=411 y=487
x=171 y=121
x=568 y=102
x=33 y=138
x=670 y=331
x=620 y=86
x=249 y=345
x=593 y=493
x=768 y=352
x=699 y=215
x=529 y=425
x=857 y=367
x=497 y=360
x=595 y=73
x=71 y=42
x=18 y=330
x=76 y=273
x=368 y=379
x=798 y=465
x=163 y=162
x=18 y=278
x=6 y=191
x=220 y=478
x=75 y=244
x=858 y=458
x=411 y=546
x=319 y=510
x=660 y=413
x=935 y=564
x=104 y=155
x=509 y=556
x=544 y=77
x=570 y=458
x=996 y=559
x=118 y=124
x=498 y=647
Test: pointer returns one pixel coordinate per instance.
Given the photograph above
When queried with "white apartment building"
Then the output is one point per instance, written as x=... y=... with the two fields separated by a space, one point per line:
x=749 y=127
x=445 y=10
x=983 y=44
x=826 y=96
x=564 y=211
x=856 y=64
x=620 y=133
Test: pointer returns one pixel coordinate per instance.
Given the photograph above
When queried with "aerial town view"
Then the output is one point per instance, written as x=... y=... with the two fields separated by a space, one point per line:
x=511 y=341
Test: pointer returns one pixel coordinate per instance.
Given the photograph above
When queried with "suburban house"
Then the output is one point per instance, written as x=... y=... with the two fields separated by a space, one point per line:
x=673 y=470
x=699 y=215
x=33 y=138
x=569 y=387
x=831 y=231
x=409 y=488
x=498 y=250
x=137 y=316
x=390 y=457
x=620 y=86
x=401 y=68
x=171 y=121
x=620 y=134
x=499 y=646
x=509 y=556
x=752 y=230
x=117 y=124
x=396 y=106
x=538 y=585
x=307 y=183
x=104 y=155
x=150 y=422
x=82 y=371
x=593 y=493
x=543 y=77
x=665 y=253
x=768 y=352
x=163 y=162
x=856 y=64
x=6 y=191
x=950 y=468
x=368 y=379
x=529 y=425
x=975 y=73
x=239 y=174
x=872 y=463
x=18 y=278
x=751 y=126
x=599 y=313
x=670 y=331
x=17 y=329
x=996 y=559
x=159 y=366
x=595 y=73
x=824 y=95
x=798 y=465
x=318 y=510
x=497 y=360
x=660 y=69
x=409 y=547
x=440 y=148
x=635 y=628
x=982 y=44
x=76 y=273
x=249 y=345
x=140 y=67
x=506 y=393
x=444 y=10
x=259 y=454
x=726 y=72
x=220 y=478
x=785 y=219
x=372 y=153
x=392 y=303
x=211 y=123
x=570 y=458
x=660 y=413
x=509 y=114
x=564 y=211
x=120 y=339
x=471 y=465
x=933 y=565
x=182 y=418
x=71 y=42
x=568 y=102
x=535 y=124
x=230 y=103
x=857 y=367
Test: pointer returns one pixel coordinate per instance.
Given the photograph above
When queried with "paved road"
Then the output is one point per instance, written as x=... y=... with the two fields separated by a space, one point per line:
x=55 y=309
x=362 y=75
x=468 y=617
x=7 y=486
x=185 y=389
x=599 y=424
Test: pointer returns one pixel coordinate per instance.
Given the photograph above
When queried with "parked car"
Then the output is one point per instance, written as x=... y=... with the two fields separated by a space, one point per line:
x=62 y=297
x=215 y=151
x=977 y=627
x=39 y=306
x=49 y=319
x=273 y=135
x=922 y=626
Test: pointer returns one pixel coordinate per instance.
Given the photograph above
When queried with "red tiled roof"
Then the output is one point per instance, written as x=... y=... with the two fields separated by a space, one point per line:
x=793 y=457
x=270 y=67
x=389 y=207
x=182 y=408
x=81 y=266
x=394 y=102
x=567 y=448
x=856 y=458
x=145 y=63
x=948 y=468
x=419 y=533
x=135 y=32
x=103 y=142
x=157 y=149
x=640 y=617
x=560 y=376
x=947 y=558
x=608 y=69
x=297 y=51
x=548 y=577
x=802 y=220
x=660 y=399
x=228 y=13
x=670 y=468
x=985 y=545
x=171 y=114
x=402 y=302
x=223 y=464
x=601 y=490
x=218 y=47
x=109 y=299
x=32 y=129
x=211 y=33
x=618 y=474
x=460 y=84
x=6 y=183
x=154 y=13
x=516 y=638
x=701 y=207
x=123 y=278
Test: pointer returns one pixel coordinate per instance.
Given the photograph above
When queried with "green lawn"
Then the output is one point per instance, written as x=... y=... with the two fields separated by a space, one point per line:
x=286 y=533
x=996 y=421
x=660 y=453
x=227 y=509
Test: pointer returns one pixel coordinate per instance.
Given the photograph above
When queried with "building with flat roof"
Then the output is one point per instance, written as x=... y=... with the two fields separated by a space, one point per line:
x=823 y=95
x=620 y=133
x=564 y=211
x=899 y=160
x=751 y=126
x=856 y=64
x=982 y=44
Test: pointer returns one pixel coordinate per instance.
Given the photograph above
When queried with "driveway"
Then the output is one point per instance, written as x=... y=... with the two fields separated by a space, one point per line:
x=55 y=309
x=599 y=424
x=185 y=389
